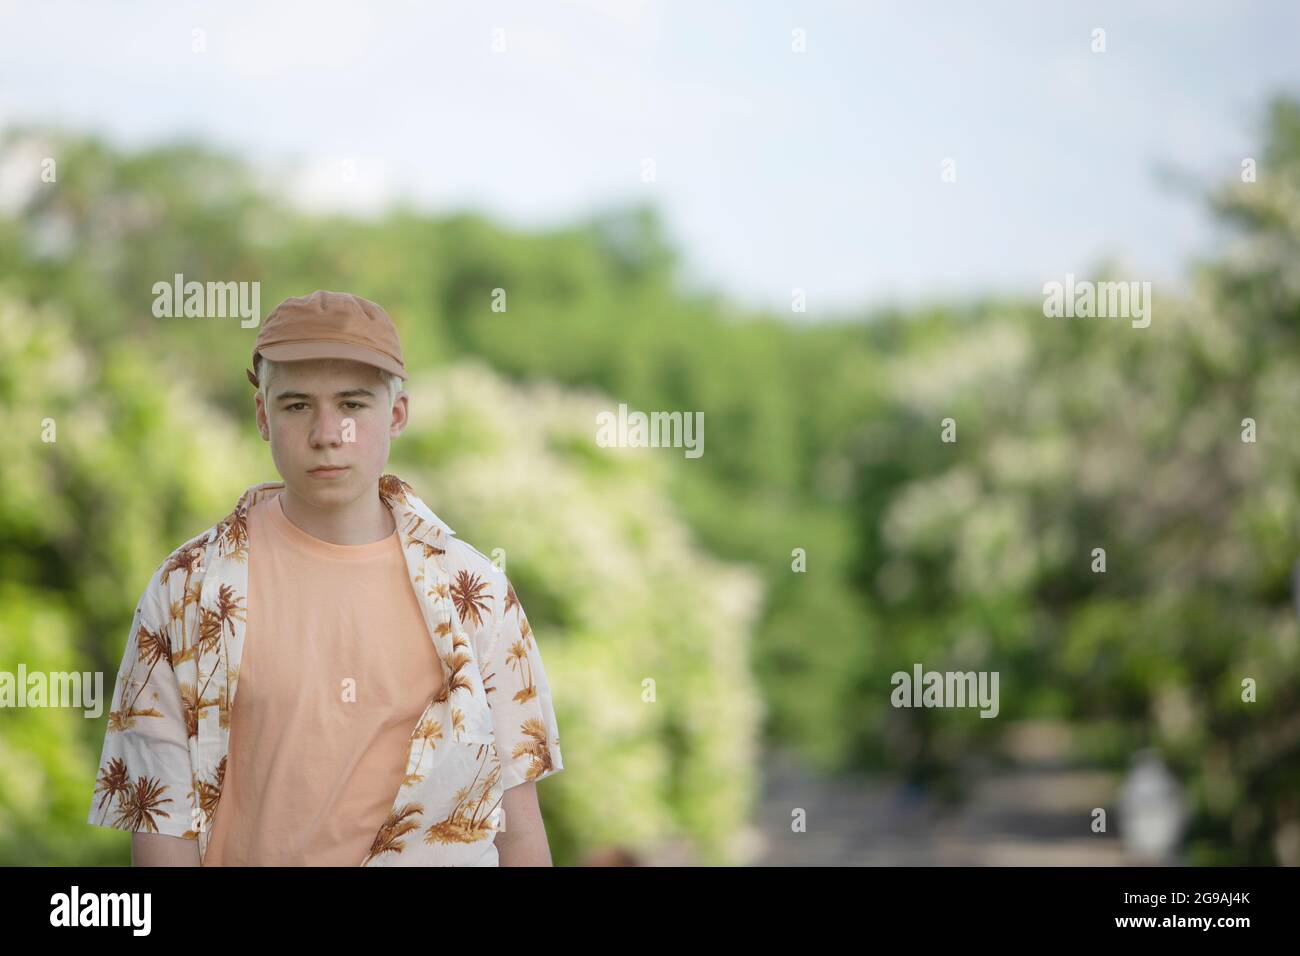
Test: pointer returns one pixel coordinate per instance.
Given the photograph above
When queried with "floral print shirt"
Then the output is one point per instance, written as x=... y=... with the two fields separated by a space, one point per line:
x=490 y=728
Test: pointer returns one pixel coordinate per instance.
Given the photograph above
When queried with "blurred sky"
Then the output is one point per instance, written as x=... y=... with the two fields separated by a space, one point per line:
x=774 y=169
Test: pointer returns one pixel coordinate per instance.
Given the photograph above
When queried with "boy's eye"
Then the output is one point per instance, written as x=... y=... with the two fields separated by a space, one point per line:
x=296 y=405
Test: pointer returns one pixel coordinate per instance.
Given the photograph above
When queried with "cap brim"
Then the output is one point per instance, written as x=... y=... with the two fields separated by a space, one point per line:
x=300 y=351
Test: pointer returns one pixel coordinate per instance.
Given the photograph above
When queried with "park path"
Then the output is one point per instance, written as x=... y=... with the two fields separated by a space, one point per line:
x=1035 y=813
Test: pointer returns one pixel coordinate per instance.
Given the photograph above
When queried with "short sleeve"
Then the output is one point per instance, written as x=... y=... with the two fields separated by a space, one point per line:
x=144 y=777
x=518 y=693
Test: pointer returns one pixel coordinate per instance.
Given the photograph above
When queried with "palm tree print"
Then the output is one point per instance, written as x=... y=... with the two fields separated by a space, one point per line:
x=138 y=805
x=470 y=819
x=414 y=527
x=232 y=534
x=213 y=622
x=467 y=593
x=426 y=731
x=114 y=781
x=208 y=793
x=185 y=558
x=456 y=674
x=152 y=647
x=488 y=688
x=518 y=659
x=535 y=747
x=398 y=824
x=193 y=706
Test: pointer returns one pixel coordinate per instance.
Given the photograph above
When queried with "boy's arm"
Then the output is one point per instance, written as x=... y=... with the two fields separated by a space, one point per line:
x=523 y=843
x=158 y=849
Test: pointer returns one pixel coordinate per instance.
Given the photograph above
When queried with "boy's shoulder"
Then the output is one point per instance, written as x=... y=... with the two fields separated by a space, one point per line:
x=182 y=568
x=189 y=556
x=458 y=554
x=463 y=556
x=227 y=537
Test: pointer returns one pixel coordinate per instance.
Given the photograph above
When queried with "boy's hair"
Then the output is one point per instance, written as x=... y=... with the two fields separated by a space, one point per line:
x=263 y=367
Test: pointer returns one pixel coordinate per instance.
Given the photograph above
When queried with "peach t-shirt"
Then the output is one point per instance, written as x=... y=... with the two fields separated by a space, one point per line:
x=338 y=666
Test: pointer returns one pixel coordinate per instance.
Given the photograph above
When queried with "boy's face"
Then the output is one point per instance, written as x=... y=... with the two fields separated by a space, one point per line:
x=306 y=417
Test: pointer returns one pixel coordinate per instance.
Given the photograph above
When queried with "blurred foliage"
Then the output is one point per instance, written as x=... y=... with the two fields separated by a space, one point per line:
x=1077 y=434
x=1072 y=434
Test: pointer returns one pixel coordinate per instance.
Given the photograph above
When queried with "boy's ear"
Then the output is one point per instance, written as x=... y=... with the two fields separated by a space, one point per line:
x=258 y=418
x=400 y=426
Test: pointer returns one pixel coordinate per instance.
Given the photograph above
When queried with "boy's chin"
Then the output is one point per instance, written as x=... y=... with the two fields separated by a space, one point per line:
x=327 y=491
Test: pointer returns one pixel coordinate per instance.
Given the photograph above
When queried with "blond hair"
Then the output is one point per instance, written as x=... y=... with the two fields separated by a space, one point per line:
x=264 y=368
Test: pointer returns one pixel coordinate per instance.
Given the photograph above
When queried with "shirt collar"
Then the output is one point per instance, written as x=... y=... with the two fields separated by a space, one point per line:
x=414 y=518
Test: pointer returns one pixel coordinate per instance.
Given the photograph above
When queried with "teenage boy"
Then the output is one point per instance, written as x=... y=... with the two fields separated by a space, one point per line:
x=392 y=706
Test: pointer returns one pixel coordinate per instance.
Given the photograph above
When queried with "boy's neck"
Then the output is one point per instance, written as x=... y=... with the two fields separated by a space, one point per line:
x=363 y=521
